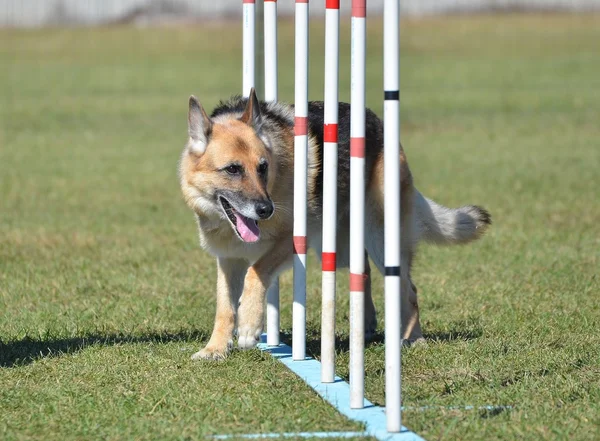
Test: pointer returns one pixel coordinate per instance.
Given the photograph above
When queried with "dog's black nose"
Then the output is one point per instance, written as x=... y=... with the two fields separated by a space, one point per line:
x=264 y=209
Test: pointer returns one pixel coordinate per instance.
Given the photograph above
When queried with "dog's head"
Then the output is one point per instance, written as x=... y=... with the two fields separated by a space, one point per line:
x=225 y=168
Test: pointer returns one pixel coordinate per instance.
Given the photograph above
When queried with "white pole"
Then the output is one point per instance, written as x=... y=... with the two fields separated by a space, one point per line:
x=391 y=86
x=300 y=178
x=270 y=33
x=330 y=163
x=357 y=205
x=270 y=37
x=273 y=314
x=248 y=48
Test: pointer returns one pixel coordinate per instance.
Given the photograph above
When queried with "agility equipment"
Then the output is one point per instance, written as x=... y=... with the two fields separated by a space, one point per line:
x=393 y=271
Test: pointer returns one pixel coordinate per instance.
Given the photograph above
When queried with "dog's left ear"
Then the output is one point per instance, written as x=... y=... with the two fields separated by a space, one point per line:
x=252 y=115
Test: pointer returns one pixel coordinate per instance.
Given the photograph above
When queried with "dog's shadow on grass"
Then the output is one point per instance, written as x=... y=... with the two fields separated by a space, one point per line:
x=313 y=343
x=27 y=350
x=453 y=335
x=342 y=343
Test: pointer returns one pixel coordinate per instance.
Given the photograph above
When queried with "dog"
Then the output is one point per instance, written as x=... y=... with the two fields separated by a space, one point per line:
x=237 y=175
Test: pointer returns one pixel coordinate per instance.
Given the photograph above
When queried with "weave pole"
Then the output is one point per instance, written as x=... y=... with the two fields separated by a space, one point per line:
x=248 y=46
x=270 y=49
x=391 y=136
x=300 y=180
x=357 y=205
x=330 y=164
x=270 y=35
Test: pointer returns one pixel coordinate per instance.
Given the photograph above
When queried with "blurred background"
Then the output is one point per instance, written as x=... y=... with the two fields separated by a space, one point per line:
x=93 y=12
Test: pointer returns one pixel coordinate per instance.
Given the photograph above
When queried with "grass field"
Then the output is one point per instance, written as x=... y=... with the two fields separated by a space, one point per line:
x=105 y=294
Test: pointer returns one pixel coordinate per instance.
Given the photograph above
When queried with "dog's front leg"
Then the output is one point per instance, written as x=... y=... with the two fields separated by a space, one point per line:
x=258 y=279
x=251 y=309
x=230 y=282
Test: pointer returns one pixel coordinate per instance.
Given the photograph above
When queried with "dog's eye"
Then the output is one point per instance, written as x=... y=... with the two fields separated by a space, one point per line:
x=234 y=169
x=262 y=168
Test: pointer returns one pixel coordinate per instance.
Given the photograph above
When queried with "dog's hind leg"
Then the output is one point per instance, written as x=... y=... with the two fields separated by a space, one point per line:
x=374 y=242
x=370 y=312
x=343 y=255
x=411 y=325
x=411 y=328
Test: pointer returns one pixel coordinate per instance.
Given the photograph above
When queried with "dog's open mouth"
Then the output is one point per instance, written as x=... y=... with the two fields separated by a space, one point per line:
x=246 y=228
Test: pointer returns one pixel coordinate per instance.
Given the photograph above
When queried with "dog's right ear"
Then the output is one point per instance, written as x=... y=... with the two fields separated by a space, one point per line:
x=199 y=126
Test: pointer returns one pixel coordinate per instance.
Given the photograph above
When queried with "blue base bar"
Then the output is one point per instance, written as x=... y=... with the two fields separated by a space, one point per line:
x=293 y=435
x=338 y=395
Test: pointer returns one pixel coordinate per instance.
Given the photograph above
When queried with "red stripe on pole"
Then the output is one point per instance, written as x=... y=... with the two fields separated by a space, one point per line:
x=359 y=8
x=248 y=1
x=332 y=4
x=357 y=282
x=357 y=147
x=328 y=261
x=301 y=1
x=299 y=244
x=300 y=125
x=330 y=133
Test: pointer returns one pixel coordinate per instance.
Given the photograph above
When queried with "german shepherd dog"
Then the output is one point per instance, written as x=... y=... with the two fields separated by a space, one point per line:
x=237 y=174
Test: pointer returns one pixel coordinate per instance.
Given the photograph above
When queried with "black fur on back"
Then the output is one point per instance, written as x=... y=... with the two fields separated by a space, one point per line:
x=373 y=145
x=237 y=104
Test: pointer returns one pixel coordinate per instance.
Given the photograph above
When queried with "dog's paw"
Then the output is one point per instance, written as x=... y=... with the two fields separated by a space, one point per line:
x=213 y=352
x=248 y=337
x=414 y=342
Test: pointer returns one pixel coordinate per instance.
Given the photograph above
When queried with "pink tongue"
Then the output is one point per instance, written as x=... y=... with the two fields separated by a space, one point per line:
x=247 y=228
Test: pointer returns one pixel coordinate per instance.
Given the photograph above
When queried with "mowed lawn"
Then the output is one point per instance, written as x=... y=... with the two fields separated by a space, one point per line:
x=105 y=294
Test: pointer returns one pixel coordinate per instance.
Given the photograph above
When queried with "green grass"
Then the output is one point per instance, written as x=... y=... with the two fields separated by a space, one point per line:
x=105 y=294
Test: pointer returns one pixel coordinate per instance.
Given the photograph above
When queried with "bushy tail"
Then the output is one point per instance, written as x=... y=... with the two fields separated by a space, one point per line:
x=442 y=225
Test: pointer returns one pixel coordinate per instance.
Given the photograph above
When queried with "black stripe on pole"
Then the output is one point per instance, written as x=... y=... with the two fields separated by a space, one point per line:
x=391 y=95
x=392 y=271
